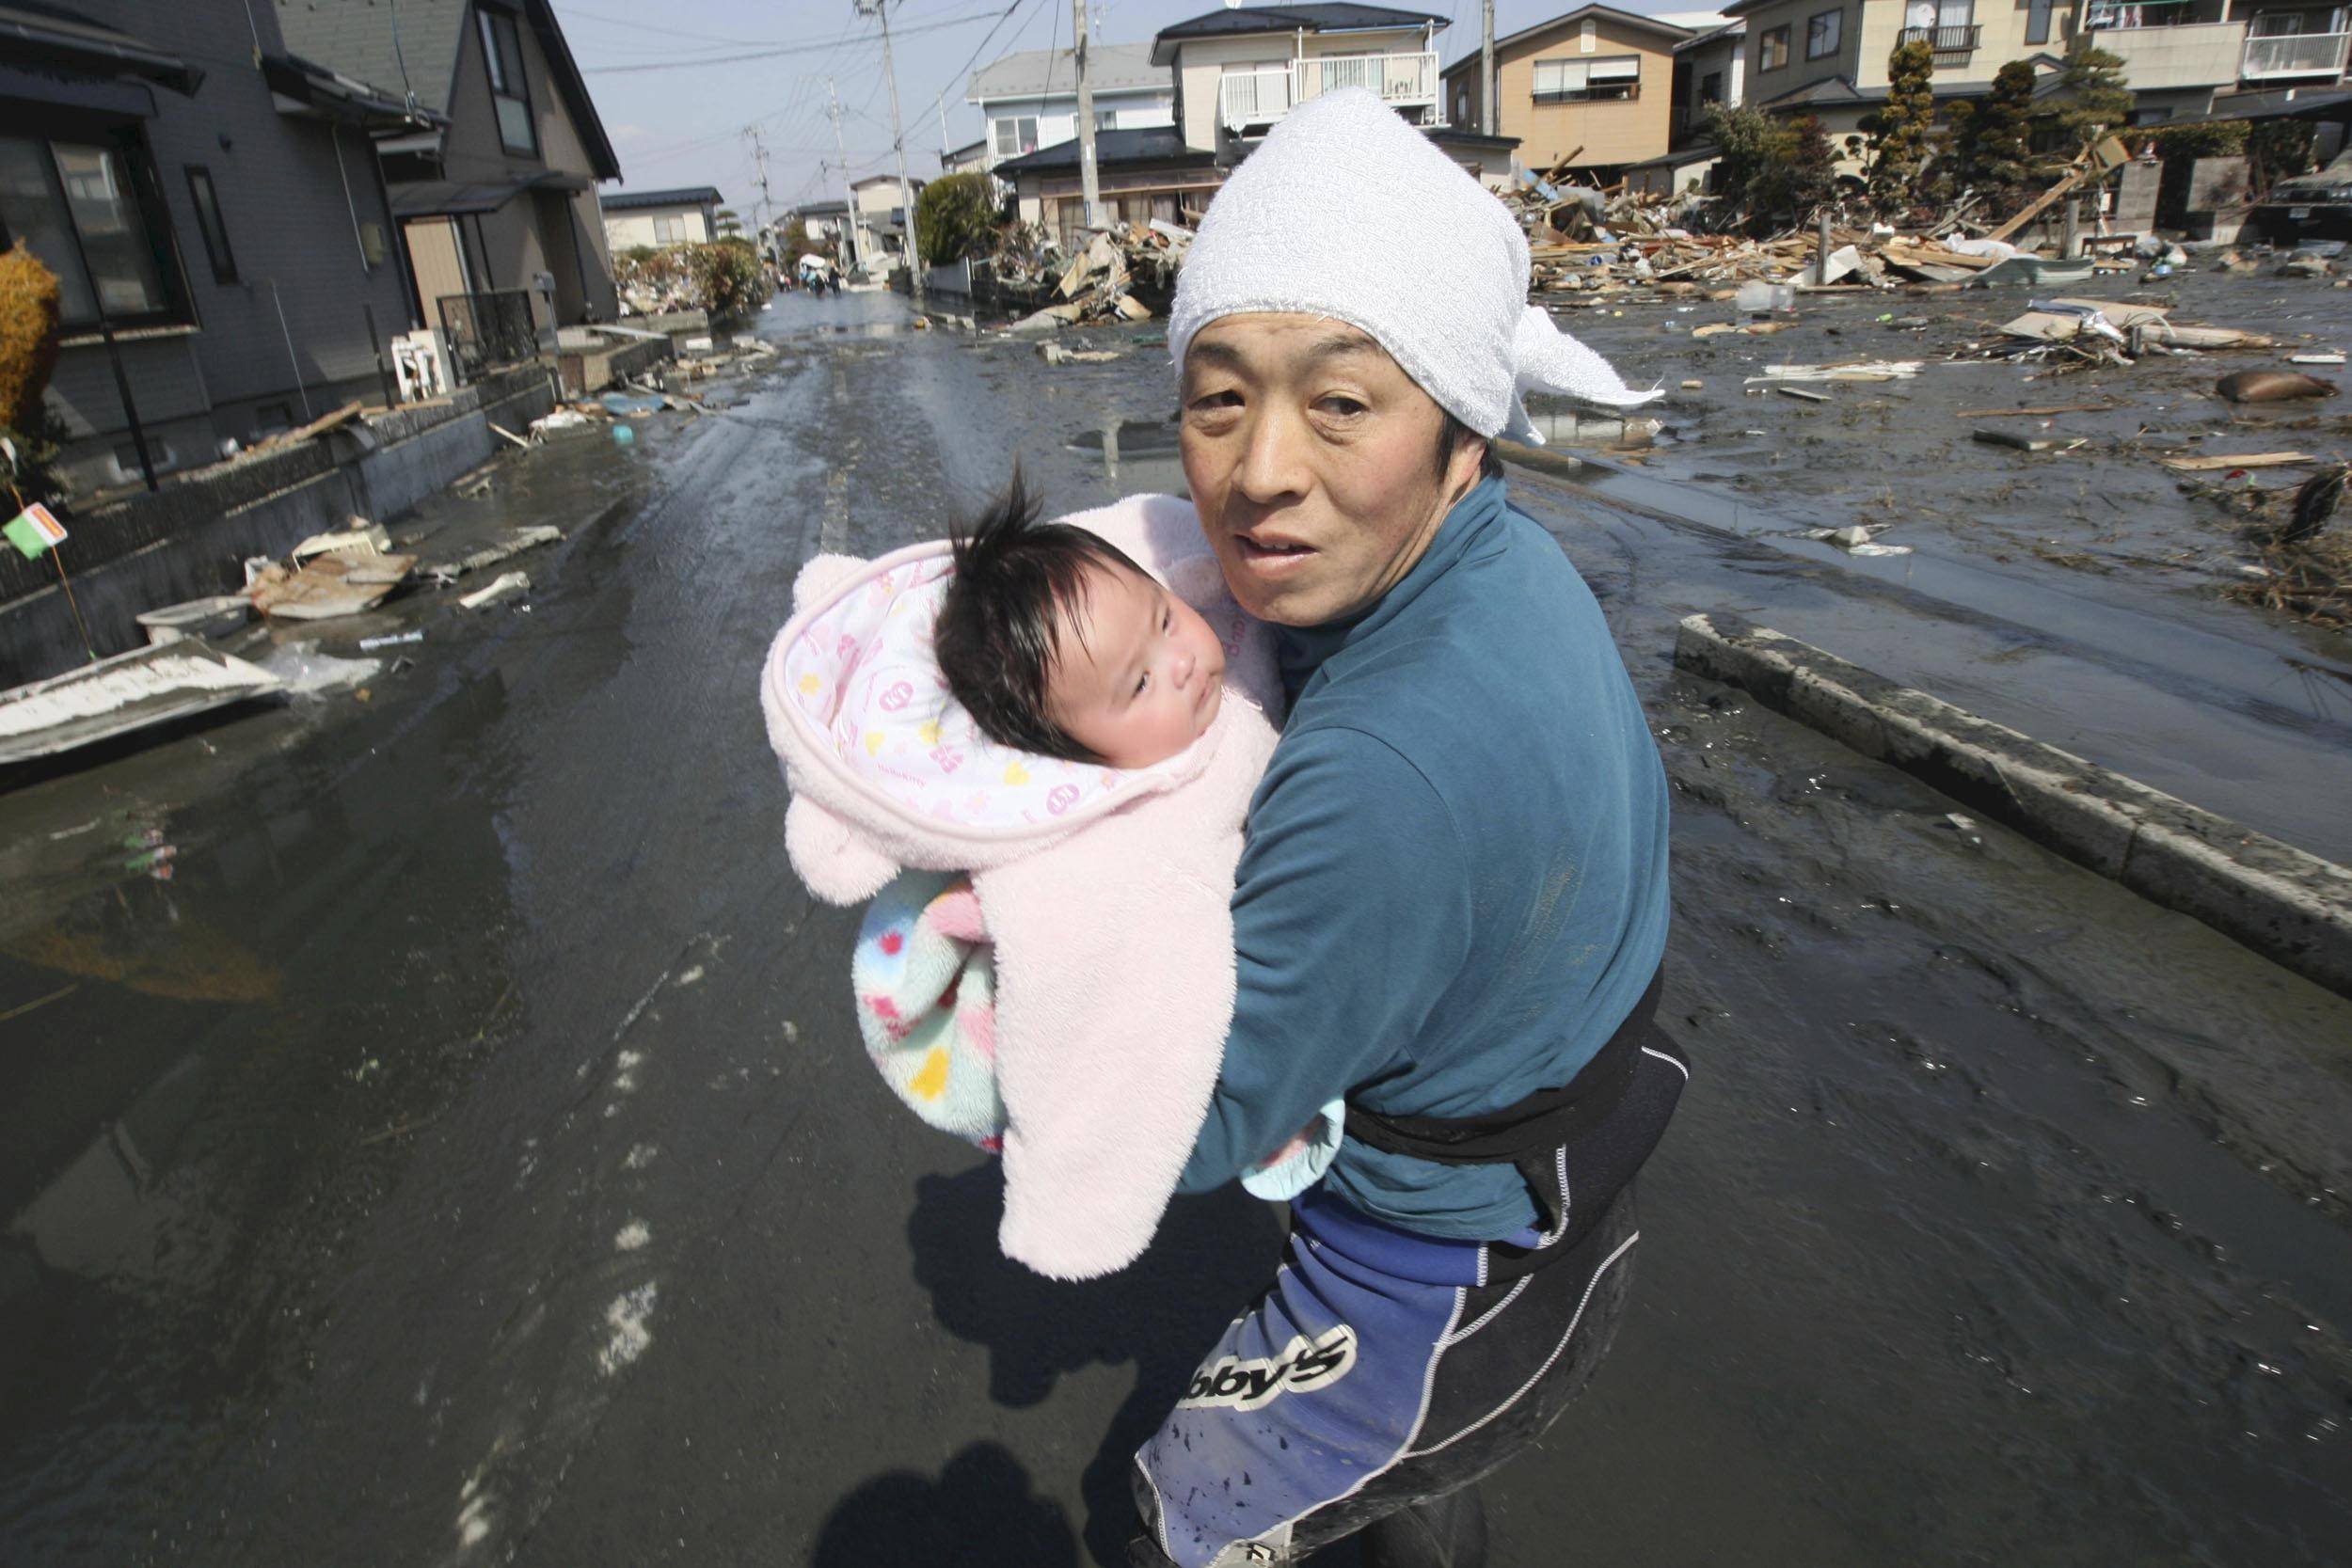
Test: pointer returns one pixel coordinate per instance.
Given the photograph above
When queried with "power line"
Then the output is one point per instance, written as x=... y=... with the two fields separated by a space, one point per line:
x=740 y=57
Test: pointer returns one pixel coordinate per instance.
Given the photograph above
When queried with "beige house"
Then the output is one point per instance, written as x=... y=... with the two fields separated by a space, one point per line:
x=1240 y=70
x=1594 y=87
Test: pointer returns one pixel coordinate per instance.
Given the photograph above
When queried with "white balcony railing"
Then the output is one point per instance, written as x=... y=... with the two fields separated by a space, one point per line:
x=1260 y=97
x=2295 y=55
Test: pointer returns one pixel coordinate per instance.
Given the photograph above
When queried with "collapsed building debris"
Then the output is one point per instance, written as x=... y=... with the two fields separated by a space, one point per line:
x=1101 y=282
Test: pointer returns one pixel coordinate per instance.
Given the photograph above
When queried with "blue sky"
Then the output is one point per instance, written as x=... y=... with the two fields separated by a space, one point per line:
x=677 y=85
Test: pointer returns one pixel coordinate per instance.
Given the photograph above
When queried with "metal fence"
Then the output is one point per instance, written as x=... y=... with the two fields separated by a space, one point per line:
x=487 y=329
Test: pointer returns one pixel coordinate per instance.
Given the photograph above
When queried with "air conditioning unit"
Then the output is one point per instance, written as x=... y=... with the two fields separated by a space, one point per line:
x=421 y=359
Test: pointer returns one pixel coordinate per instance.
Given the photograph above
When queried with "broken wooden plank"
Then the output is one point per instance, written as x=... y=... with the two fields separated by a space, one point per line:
x=2238 y=460
x=2037 y=412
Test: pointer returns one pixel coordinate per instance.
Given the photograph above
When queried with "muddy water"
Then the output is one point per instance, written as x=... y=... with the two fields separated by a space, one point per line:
x=465 y=1155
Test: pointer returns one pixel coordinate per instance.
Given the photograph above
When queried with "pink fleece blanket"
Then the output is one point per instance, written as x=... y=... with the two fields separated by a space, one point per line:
x=1106 y=893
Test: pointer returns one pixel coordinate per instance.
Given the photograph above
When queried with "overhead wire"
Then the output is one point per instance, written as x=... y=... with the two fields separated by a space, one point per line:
x=746 y=57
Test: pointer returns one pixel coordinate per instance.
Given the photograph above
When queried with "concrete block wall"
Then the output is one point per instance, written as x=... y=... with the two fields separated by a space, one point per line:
x=191 y=538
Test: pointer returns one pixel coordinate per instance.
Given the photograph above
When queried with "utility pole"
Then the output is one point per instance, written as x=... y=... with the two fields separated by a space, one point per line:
x=1487 y=67
x=1088 y=185
x=898 y=144
x=759 y=153
x=849 y=196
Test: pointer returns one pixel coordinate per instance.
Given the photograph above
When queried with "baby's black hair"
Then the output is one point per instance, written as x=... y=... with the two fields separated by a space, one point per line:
x=996 y=638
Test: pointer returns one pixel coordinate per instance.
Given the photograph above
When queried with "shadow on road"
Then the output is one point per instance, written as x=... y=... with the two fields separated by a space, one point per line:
x=1212 y=1256
x=979 y=1514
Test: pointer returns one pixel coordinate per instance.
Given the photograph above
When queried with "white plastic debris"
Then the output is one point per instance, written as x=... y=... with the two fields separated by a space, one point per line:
x=506 y=585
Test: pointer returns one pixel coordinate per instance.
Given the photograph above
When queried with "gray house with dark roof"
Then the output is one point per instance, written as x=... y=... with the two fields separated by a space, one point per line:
x=223 y=243
x=689 y=215
x=1030 y=99
x=500 y=195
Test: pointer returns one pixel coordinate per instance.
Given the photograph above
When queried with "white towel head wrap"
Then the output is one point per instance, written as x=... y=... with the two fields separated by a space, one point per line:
x=1347 y=211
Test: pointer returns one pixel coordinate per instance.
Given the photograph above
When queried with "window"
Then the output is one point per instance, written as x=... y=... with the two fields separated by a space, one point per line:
x=1601 y=79
x=668 y=230
x=1823 y=33
x=52 y=193
x=1106 y=119
x=1772 y=49
x=2037 y=20
x=1016 y=134
x=502 y=54
x=208 y=224
x=1711 y=87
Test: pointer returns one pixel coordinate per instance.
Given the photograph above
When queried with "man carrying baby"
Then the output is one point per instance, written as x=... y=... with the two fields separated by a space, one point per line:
x=1453 y=905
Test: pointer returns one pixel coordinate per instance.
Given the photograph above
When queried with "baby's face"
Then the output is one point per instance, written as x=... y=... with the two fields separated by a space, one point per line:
x=1138 y=674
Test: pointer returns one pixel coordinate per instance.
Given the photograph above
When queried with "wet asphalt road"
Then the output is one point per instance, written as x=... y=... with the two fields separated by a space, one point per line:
x=465 y=1157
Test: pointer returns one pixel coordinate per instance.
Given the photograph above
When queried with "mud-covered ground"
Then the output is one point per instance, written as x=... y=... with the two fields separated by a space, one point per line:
x=464 y=1154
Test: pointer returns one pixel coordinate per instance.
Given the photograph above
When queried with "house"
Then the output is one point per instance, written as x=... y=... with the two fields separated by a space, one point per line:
x=1030 y=100
x=687 y=216
x=1239 y=70
x=1230 y=76
x=1592 y=88
x=971 y=158
x=1140 y=175
x=220 y=236
x=827 y=224
x=2182 y=59
x=498 y=202
x=1710 y=67
x=879 y=231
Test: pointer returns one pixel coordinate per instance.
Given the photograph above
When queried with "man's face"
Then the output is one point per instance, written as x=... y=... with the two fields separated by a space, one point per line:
x=1313 y=460
x=1138 y=673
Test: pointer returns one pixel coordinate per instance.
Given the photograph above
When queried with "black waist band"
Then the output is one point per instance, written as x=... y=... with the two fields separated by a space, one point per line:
x=1534 y=1134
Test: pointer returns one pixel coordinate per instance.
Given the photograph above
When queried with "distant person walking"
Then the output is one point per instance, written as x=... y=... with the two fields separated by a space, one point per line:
x=1453 y=906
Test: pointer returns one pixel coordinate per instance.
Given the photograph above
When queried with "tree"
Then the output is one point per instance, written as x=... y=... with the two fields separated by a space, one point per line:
x=798 y=244
x=955 y=218
x=1991 y=145
x=729 y=223
x=30 y=313
x=2091 y=85
x=1811 y=177
x=1905 y=129
x=1775 y=169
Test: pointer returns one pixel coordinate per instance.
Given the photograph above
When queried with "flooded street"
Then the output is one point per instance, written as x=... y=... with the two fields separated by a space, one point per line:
x=439 y=1134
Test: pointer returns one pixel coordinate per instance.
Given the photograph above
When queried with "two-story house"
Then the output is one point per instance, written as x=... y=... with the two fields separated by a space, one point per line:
x=2181 y=57
x=500 y=198
x=1030 y=100
x=878 y=227
x=1240 y=70
x=657 y=218
x=1232 y=75
x=223 y=246
x=1592 y=87
x=1710 y=69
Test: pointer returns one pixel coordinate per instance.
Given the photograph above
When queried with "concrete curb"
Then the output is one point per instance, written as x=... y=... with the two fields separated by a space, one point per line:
x=2284 y=903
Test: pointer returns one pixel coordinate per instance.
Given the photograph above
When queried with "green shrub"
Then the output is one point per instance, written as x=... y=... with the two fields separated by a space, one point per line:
x=955 y=218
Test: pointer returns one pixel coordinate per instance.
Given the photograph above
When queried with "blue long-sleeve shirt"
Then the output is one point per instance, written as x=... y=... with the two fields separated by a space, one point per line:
x=1454 y=888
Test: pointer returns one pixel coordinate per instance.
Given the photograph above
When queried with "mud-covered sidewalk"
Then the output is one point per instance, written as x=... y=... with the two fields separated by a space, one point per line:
x=464 y=1153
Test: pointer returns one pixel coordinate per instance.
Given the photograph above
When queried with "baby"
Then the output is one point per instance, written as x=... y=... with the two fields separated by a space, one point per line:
x=1056 y=642
x=1033 y=749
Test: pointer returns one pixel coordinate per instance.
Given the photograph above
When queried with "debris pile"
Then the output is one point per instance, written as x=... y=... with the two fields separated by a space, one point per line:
x=1099 y=283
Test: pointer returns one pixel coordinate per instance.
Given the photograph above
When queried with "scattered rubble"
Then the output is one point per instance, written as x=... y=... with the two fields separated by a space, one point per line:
x=337 y=583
